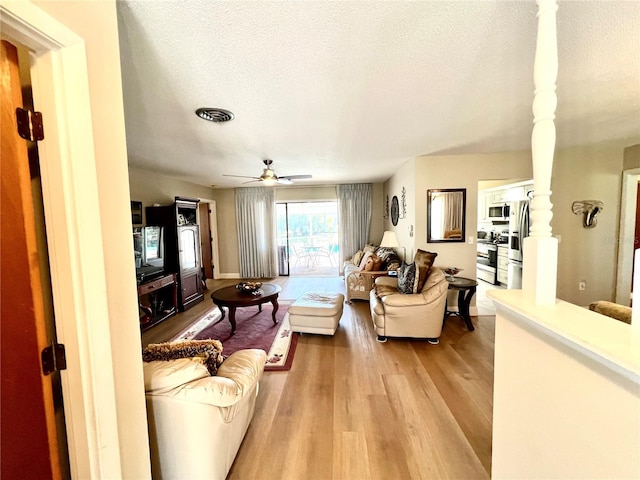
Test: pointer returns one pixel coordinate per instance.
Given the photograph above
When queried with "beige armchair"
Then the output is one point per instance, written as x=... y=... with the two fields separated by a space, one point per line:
x=417 y=315
x=197 y=421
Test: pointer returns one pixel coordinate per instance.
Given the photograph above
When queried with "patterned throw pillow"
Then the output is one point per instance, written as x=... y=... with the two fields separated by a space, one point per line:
x=357 y=257
x=407 y=278
x=424 y=261
x=390 y=260
x=210 y=350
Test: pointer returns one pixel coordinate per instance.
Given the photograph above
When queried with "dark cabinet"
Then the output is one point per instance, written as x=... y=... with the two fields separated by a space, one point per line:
x=182 y=247
x=189 y=263
x=157 y=300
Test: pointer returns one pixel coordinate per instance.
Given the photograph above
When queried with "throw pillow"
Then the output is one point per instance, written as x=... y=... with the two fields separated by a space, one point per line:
x=393 y=264
x=210 y=350
x=364 y=260
x=357 y=257
x=424 y=261
x=372 y=264
x=369 y=248
x=407 y=278
x=390 y=260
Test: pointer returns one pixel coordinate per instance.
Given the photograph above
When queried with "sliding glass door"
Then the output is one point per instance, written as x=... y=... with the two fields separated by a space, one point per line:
x=308 y=238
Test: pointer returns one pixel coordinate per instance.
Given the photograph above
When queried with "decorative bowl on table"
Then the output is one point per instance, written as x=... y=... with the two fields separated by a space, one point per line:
x=249 y=287
x=451 y=272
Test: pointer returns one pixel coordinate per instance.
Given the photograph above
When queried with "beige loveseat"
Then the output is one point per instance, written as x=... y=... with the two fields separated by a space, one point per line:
x=358 y=280
x=197 y=421
x=414 y=315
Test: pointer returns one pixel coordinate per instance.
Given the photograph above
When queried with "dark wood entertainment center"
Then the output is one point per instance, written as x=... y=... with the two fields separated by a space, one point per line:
x=182 y=247
x=158 y=300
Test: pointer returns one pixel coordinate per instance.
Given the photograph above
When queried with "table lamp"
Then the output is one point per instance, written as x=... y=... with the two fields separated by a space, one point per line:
x=390 y=240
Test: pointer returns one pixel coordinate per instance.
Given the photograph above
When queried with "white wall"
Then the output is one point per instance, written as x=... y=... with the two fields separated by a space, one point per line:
x=590 y=254
x=631 y=157
x=579 y=174
x=405 y=178
x=461 y=171
x=151 y=187
x=566 y=400
x=96 y=23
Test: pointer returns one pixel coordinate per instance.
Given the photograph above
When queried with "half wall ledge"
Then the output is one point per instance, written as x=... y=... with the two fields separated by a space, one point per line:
x=566 y=392
x=609 y=342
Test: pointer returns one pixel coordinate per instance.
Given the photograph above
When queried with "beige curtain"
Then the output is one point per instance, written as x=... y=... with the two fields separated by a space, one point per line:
x=354 y=211
x=255 y=211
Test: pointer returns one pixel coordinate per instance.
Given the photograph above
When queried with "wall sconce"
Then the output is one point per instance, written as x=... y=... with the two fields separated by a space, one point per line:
x=403 y=203
x=589 y=209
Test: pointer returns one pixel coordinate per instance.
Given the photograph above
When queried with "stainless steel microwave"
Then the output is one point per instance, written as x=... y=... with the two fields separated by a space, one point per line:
x=501 y=211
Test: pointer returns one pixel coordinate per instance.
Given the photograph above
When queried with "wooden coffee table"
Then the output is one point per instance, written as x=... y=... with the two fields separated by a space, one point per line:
x=232 y=298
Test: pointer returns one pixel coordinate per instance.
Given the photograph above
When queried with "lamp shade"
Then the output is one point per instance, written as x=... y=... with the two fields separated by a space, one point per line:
x=389 y=239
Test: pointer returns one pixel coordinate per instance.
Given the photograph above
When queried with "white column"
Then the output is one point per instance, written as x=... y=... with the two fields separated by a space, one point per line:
x=540 y=249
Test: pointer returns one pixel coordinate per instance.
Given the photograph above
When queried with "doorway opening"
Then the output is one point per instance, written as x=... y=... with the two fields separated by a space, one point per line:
x=628 y=240
x=501 y=204
x=307 y=238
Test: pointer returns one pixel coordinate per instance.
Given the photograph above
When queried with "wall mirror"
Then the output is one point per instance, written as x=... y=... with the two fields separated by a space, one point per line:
x=446 y=215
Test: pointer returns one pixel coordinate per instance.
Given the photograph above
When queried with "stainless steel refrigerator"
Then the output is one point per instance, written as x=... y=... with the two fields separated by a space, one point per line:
x=518 y=230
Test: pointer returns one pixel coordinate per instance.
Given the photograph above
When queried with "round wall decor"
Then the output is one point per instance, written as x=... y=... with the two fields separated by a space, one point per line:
x=395 y=210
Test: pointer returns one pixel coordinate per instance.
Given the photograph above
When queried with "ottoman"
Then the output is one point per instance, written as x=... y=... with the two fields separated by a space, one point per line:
x=316 y=313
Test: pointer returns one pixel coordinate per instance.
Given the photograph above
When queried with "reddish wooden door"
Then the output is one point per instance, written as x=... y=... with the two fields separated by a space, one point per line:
x=205 y=240
x=636 y=238
x=28 y=444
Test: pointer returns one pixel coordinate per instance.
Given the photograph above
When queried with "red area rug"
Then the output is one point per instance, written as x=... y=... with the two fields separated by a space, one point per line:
x=254 y=329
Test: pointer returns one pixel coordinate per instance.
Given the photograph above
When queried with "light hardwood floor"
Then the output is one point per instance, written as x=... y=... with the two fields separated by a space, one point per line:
x=353 y=408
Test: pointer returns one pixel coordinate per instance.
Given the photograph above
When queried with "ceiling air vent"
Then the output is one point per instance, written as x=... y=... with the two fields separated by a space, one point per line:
x=217 y=115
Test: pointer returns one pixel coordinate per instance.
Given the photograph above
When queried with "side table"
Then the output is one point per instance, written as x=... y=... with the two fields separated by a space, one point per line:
x=466 y=289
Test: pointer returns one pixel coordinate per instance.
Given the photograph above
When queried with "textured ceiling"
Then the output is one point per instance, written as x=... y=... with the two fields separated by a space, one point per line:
x=349 y=91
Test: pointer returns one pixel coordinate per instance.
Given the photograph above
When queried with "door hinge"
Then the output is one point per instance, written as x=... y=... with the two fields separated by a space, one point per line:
x=53 y=358
x=30 y=125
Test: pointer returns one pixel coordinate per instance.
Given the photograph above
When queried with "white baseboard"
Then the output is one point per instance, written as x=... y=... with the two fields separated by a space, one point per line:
x=220 y=276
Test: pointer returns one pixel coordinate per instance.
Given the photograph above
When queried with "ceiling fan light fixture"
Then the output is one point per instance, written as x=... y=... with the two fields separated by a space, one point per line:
x=217 y=115
x=269 y=177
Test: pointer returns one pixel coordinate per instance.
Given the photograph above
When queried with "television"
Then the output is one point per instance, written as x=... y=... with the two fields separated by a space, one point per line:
x=148 y=246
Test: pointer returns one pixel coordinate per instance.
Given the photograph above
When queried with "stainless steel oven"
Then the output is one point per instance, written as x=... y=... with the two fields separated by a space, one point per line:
x=487 y=263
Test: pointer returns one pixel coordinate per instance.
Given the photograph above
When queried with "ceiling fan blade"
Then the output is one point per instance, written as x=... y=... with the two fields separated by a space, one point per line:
x=241 y=176
x=251 y=181
x=284 y=181
x=295 y=177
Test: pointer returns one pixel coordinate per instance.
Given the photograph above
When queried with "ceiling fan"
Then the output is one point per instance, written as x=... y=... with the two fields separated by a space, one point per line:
x=269 y=177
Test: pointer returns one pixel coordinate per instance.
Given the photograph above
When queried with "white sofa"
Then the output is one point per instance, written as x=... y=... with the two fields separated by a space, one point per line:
x=197 y=421
x=415 y=315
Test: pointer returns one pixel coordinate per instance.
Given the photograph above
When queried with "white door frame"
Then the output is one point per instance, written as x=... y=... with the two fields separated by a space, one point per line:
x=626 y=235
x=69 y=185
